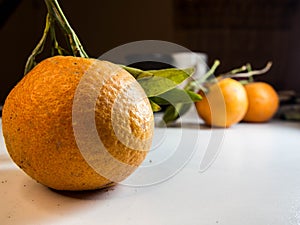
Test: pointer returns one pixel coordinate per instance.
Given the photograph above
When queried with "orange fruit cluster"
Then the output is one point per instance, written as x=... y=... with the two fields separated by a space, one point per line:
x=228 y=102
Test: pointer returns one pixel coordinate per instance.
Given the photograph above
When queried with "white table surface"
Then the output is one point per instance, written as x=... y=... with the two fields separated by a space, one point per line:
x=254 y=180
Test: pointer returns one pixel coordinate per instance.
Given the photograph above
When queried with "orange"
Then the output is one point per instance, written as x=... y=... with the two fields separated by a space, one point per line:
x=77 y=124
x=263 y=102
x=224 y=104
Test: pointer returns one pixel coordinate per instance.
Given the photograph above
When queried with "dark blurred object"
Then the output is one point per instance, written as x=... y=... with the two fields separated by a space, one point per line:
x=150 y=65
x=247 y=14
x=7 y=7
x=150 y=61
x=289 y=105
x=237 y=32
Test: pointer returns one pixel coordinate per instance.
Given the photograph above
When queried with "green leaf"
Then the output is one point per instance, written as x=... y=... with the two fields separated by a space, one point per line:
x=173 y=112
x=162 y=81
x=174 y=74
x=175 y=96
x=159 y=101
x=154 y=86
x=137 y=72
x=194 y=96
x=155 y=107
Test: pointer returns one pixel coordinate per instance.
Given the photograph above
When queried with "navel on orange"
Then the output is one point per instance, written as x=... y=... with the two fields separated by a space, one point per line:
x=263 y=102
x=224 y=104
x=77 y=124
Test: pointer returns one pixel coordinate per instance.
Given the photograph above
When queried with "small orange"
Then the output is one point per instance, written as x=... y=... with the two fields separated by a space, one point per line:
x=263 y=102
x=224 y=104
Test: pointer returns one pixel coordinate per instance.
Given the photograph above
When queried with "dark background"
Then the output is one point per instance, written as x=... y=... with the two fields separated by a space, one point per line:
x=234 y=31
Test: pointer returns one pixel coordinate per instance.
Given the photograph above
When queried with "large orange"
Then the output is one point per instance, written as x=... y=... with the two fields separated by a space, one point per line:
x=77 y=124
x=263 y=102
x=224 y=104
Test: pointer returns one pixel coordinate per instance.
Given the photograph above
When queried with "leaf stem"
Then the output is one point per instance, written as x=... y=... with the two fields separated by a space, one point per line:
x=235 y=71
x=31 y=62
x=250 y=73
x=196 y=84
x=55 y=16
x=211 y=71
x=56 y=12
x=249 y=69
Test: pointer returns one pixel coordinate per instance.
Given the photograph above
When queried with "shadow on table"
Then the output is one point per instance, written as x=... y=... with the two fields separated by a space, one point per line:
x=195 y=126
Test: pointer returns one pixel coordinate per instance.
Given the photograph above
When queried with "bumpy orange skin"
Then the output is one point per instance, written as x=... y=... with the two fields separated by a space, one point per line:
x=224 y=105
x=263 y=102
x=39 y=130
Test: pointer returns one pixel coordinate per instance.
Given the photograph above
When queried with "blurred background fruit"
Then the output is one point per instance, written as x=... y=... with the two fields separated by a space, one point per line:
x=263 y=102
x=224 y=104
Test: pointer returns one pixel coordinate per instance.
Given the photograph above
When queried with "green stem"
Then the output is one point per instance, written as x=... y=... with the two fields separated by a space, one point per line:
x=196 y=84
x=56 y=48
x=238 y=70
x=31 y=62
x=211 y=71
x=249 y=69
x=250 y=73
x=55 y=16
x=56 y=12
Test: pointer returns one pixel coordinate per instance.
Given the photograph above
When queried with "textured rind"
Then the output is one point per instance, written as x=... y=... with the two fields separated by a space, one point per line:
x=38 y=131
